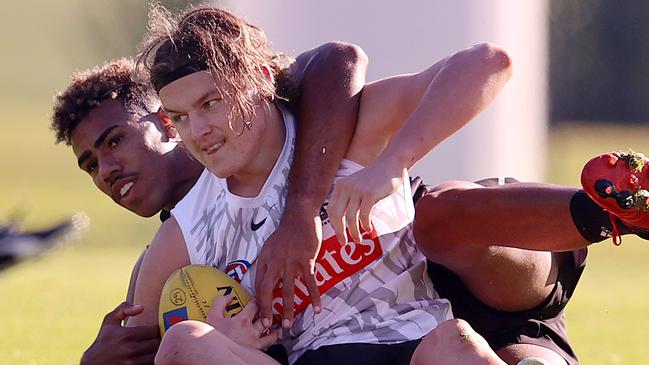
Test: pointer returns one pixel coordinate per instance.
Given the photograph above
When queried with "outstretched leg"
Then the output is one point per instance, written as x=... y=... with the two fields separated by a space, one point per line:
x=464 y=226
x=486 y=235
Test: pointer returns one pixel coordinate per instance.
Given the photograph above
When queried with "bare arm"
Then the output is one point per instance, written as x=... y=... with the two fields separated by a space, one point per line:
x=166 y=254
x=330 y=78
x=130 y=292
x=423 y=109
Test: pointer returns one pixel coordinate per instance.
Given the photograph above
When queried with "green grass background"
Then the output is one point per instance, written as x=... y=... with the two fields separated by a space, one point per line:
x=51 y=308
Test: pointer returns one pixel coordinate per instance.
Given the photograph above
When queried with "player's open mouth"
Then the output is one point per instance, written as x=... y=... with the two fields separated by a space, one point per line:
x=125 y=189
x=210 y=150
x=122 y=188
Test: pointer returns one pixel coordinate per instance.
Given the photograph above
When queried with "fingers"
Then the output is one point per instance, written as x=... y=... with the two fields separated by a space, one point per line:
x=117 y=315
x=250 y=310
x=267 y=340
x=132 y=310
x=288 y=301
x=314 y=293
x=336 y=211
x=351 y=217
x=219 y=305
x=259 y=328
x=365 y=213
x=141 y=333
x=264 y=289
x=146 y=347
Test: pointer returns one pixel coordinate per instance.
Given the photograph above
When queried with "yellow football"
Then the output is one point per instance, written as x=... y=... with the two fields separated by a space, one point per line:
x=190 y=291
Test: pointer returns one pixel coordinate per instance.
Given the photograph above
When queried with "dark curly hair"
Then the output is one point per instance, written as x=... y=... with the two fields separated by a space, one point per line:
x=208 y=38
x=89 y=88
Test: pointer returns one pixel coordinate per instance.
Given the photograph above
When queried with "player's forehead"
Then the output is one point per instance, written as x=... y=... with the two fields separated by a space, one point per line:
x=109 y=115
x=184 y=92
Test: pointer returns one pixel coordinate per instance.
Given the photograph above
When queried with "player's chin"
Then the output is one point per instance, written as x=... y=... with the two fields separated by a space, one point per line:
x=221 y=171
x=143 y=210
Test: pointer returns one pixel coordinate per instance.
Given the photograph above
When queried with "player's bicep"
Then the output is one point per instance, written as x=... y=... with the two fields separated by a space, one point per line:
x=385 y=105
x=166 y=254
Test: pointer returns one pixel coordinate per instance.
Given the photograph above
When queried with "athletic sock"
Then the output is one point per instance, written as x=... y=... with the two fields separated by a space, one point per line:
x=592 y=221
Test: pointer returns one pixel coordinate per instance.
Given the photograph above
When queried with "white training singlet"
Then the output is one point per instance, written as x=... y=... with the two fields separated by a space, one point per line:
x=376 y=291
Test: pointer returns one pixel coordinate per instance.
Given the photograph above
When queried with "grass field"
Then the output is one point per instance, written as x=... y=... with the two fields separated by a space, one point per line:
x=51 y=308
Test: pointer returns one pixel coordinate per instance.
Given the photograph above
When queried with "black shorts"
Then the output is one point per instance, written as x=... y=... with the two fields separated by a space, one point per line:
x=543 y=326
x=278 y=353
x=360 y=354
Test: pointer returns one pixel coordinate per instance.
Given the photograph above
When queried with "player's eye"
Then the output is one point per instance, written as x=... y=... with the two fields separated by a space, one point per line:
x=91 y=166
x=178 y=118
x=113 y=142
x=211 y=104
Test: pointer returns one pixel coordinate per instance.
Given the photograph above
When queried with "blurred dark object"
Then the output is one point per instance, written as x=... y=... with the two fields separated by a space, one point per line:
x=598 y=61
x=17 y=245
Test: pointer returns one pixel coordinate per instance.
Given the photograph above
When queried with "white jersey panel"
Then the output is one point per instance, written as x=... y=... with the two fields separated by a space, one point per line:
x=374 y=291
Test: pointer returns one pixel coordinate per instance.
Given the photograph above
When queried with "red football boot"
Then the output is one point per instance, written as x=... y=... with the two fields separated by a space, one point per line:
x=619 y=183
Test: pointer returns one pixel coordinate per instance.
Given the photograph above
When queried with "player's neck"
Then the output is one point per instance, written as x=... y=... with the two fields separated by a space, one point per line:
x=187 y=171
x=249 y=181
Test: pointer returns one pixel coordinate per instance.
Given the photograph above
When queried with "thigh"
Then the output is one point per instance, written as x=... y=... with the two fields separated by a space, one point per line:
x=523 y=333
x=540 y=329
x=505 y=278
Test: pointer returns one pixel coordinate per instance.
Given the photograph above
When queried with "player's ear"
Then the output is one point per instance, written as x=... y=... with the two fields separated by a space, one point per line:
x=167 y=126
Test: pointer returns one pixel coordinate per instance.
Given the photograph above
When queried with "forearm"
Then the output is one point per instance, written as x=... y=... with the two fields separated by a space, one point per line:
x=327 y=111
x=466 y=83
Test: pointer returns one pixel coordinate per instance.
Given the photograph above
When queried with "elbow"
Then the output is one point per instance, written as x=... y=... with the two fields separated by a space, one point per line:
x=348 y=59
x=494 y=56
x=348 y=54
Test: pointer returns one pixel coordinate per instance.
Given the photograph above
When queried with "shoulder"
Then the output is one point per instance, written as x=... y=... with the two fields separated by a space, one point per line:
x=166 y=253
x=168 y=242
x=199 y=198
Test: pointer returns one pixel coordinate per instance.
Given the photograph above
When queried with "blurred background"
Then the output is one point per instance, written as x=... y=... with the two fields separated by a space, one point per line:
x=580 y=87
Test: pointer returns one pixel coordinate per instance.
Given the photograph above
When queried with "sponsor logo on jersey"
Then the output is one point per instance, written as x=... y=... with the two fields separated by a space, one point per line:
x=174 y=316
x=236 y=269
x=335 y=262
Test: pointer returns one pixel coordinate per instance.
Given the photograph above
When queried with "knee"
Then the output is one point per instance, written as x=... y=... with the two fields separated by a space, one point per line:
x=434 y=218
x=453 y=342
x=458 y=331
x=175 y=347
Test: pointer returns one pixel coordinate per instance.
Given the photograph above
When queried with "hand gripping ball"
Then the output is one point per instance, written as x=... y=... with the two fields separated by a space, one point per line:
x=190 y=291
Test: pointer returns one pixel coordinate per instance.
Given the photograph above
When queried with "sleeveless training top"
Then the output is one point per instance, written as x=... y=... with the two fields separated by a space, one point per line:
x=376 y=291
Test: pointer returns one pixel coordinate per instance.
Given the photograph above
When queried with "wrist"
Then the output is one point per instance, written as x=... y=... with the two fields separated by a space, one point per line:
x=302 y=207
x=393 y=164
